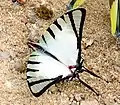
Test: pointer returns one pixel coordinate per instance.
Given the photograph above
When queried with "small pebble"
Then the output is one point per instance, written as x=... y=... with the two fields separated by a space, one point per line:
x=4 y=55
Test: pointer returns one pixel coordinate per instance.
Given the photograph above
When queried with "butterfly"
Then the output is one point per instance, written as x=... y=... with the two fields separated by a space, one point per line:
x=74 y=4
x=57 y=56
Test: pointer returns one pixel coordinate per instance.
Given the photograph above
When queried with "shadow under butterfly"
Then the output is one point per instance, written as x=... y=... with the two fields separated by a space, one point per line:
x=57 y=56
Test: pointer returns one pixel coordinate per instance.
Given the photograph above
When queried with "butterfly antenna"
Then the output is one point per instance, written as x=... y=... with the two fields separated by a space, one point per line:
x=86 y=85
x=92 y=73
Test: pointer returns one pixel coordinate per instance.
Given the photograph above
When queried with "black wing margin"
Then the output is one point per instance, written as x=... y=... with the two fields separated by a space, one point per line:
x=77 y=26
x=41 y=85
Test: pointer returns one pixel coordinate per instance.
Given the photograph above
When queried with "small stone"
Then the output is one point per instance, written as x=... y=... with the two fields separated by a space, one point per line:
x=4 y=55
x=87 y=42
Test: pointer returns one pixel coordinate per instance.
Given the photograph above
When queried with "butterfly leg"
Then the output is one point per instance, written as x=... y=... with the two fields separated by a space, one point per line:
x=86 y=85
x=92 y=73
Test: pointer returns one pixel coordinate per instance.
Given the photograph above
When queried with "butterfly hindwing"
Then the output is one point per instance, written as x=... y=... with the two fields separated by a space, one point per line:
x=39 y=86
x=44 y=71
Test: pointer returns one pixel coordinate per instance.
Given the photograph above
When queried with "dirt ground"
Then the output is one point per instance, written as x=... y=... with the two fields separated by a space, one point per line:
x=101 y=56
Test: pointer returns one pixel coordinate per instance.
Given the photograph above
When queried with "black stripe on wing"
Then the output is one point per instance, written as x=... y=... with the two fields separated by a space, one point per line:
x=58 y=25
x=55 y=80
x=73 y=24
x=39 y=81
x=80 y=33
x=51 y=32
x=62 y=17
x=31 y=70
x=28 y=77
x=82 y=23
x=33 y=62
x=44 y=39
x=42 y=50
x=32 y=55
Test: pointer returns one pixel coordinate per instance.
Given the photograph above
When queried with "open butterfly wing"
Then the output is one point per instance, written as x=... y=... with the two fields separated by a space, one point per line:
x=44 y=71
x=58 y=48
x=63 y=37
x=38 y=87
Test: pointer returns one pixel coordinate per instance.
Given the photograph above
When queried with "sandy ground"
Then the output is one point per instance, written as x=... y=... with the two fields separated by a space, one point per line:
x=101 y=56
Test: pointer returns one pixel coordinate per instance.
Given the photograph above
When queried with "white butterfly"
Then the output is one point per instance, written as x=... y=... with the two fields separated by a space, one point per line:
x=58 y=53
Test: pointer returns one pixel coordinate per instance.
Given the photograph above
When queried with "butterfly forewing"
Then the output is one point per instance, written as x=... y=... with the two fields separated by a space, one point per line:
x=47 y=68
x=62 y=37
